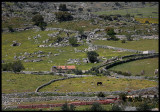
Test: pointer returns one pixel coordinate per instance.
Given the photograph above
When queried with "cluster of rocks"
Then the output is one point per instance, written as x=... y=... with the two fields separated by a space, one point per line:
x=15 y=43
x=27 y=55
x=78 y=61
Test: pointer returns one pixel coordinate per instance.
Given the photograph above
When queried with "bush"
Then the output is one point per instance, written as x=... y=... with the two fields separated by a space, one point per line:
x=123 y=41
x=96 y=107
x=66 y=107
x=39 y=21
x=17 y=66
x=78 y=72
x=116 y=108
x=62 y=7
x=92 y=56
x=10 y=29
x=73 y=41
x=7 y=67
x=101 y=94
x=63 y=16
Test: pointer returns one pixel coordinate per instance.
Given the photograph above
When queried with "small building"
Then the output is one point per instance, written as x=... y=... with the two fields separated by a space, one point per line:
x=62 y=69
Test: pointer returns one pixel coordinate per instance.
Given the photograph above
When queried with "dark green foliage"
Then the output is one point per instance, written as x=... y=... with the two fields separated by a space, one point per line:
x=127 y=15
x=10 y=29
x=144 y=107
x=116 y=108
x=106 y=73
x=92 y=56
x=58 y=39
x=62 y=7
x=17 y=66
x=101 y=94
x=123 y=97
x=63 y=16
x=73 y=41
x=96 y=107
x=66 y=107
x=78 y=72
x=123 y=41
x=7 y=67
x=39 y=21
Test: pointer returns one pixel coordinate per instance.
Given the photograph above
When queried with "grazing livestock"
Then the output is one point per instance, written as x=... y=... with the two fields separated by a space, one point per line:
x=99 y=83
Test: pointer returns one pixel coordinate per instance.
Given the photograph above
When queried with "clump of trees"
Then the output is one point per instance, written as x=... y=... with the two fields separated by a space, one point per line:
x=92 y=56
x=66 y=107
x=39 y=21
x=63 y=16
x=110 y=32
x=62 y=7
x=15 y=66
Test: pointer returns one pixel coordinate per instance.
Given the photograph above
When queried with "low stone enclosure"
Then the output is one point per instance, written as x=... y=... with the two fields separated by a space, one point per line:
x=124 y=59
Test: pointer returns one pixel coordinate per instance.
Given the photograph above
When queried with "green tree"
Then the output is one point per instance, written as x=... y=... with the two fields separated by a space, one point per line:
x=96 y=107
x=39 y=21
x=123 y=41
x=73 y=41
x=17 y=66
x=129 y=38
x=66 y=107
x=10 y=29
x=63 y=16
x=92 y=56
x=62 y=7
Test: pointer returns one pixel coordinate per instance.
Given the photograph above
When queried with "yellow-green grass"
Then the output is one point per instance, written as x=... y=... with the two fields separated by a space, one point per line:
x=75 y=25
x=150 y=20
x=142 y=45
x=12 y=83
x=135 y=67
x=45 y=65
x=88 y=84
x=146 y=11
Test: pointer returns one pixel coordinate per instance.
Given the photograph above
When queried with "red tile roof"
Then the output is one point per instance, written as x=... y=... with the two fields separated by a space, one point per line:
x=66 y=67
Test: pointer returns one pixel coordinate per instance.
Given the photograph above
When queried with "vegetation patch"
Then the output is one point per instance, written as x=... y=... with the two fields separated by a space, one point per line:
x=89 y=84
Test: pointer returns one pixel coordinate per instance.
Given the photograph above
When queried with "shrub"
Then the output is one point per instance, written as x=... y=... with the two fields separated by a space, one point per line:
x=17 y=66
x=73 y=41
x=116 y=108
x=39 y=21
x=63 y=16
x=101 y=94
x=7 y=67
x=78 y=72
x=92 y=56
x=10 y=29
x=96 y=107
x=66 y=107
x=123 y=41
x=62 y=7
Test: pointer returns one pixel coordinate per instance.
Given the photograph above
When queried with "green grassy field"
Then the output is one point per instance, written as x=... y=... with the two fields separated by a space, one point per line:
x=146 y=11
x=12 y=83
x=135 y=67
x=142 y=45
x=8 y=51
x=88 y=84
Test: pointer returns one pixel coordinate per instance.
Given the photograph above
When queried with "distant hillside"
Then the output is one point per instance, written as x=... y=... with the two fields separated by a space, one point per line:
x=22 y=12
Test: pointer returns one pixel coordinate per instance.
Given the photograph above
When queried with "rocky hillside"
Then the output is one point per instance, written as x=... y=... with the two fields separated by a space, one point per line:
x=26 y=10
